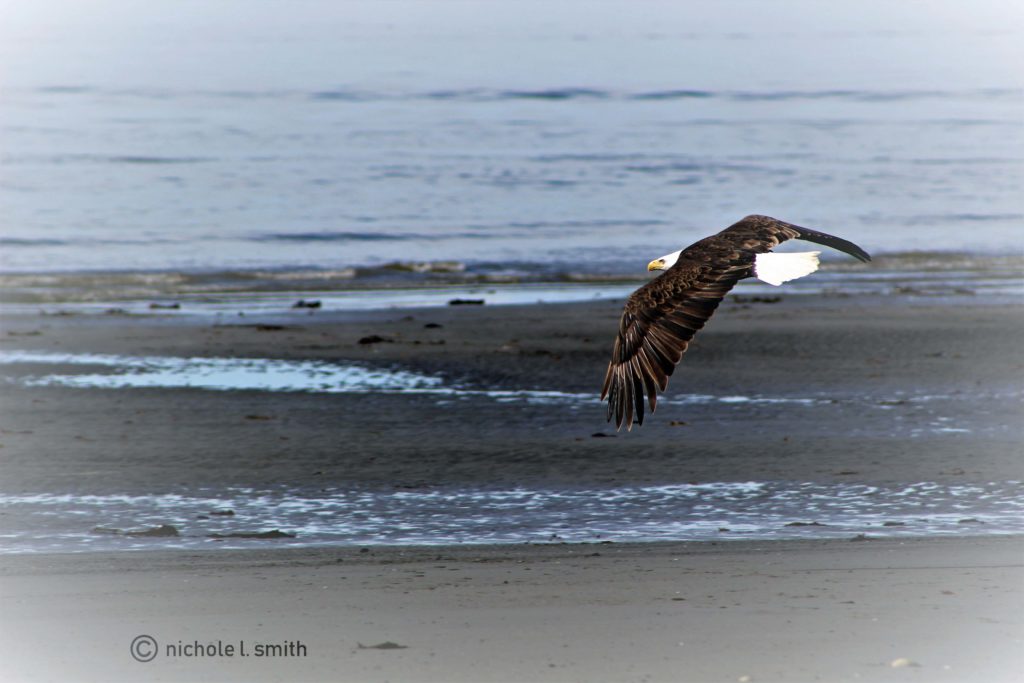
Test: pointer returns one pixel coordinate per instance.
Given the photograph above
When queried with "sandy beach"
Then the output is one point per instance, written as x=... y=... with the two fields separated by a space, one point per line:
x=936 y=610
x=913 y=608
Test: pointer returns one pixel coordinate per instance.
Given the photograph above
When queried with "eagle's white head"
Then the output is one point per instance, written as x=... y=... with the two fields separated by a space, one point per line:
x=665 y=262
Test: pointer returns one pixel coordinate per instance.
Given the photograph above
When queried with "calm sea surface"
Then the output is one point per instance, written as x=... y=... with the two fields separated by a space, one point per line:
x=501 y=139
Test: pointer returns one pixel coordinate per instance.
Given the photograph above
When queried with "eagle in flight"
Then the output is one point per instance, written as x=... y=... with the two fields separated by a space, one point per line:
x=661 y=317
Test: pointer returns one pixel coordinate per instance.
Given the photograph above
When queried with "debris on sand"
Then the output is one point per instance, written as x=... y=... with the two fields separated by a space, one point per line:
x=466 y=302
x=386 y=645
x=275 y=533
x=375 y=339
x=303 y=303
x=156 y=532
x=902 y=662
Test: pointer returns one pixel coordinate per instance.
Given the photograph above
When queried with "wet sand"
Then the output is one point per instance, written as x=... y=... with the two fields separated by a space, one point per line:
x=940 y=609
x=866 y=360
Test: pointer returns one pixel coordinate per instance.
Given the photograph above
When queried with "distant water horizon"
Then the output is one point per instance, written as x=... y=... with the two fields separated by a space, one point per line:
x=348 y=138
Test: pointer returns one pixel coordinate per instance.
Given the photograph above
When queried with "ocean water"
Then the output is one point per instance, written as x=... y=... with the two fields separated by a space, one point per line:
x=367 y=143
x=338 y=516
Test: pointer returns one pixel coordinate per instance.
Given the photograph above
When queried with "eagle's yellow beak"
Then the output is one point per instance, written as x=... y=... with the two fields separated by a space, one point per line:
x=656 y=264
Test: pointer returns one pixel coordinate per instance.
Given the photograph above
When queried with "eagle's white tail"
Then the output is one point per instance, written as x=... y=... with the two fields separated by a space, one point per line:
x=778 y=268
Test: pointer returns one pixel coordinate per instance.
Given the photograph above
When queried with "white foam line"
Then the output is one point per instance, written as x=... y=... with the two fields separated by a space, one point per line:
x=224 y=374
x=318 y=376
x=13 y=357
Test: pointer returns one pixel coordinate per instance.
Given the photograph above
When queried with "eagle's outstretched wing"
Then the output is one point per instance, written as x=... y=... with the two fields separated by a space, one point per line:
x=662 y=317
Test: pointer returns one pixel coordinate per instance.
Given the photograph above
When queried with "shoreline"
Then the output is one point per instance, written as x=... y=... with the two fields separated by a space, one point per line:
x=405 y=284
x=186 y=558
x=271 y=549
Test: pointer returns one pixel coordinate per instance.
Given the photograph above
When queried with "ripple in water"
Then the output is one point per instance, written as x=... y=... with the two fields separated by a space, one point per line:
x=264 y=374
x=678 y=512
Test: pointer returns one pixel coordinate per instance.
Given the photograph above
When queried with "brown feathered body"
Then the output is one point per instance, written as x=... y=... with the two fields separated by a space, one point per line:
x=662 y=317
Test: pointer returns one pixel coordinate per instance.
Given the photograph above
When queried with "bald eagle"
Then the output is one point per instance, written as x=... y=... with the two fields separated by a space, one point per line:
x=661 y=317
